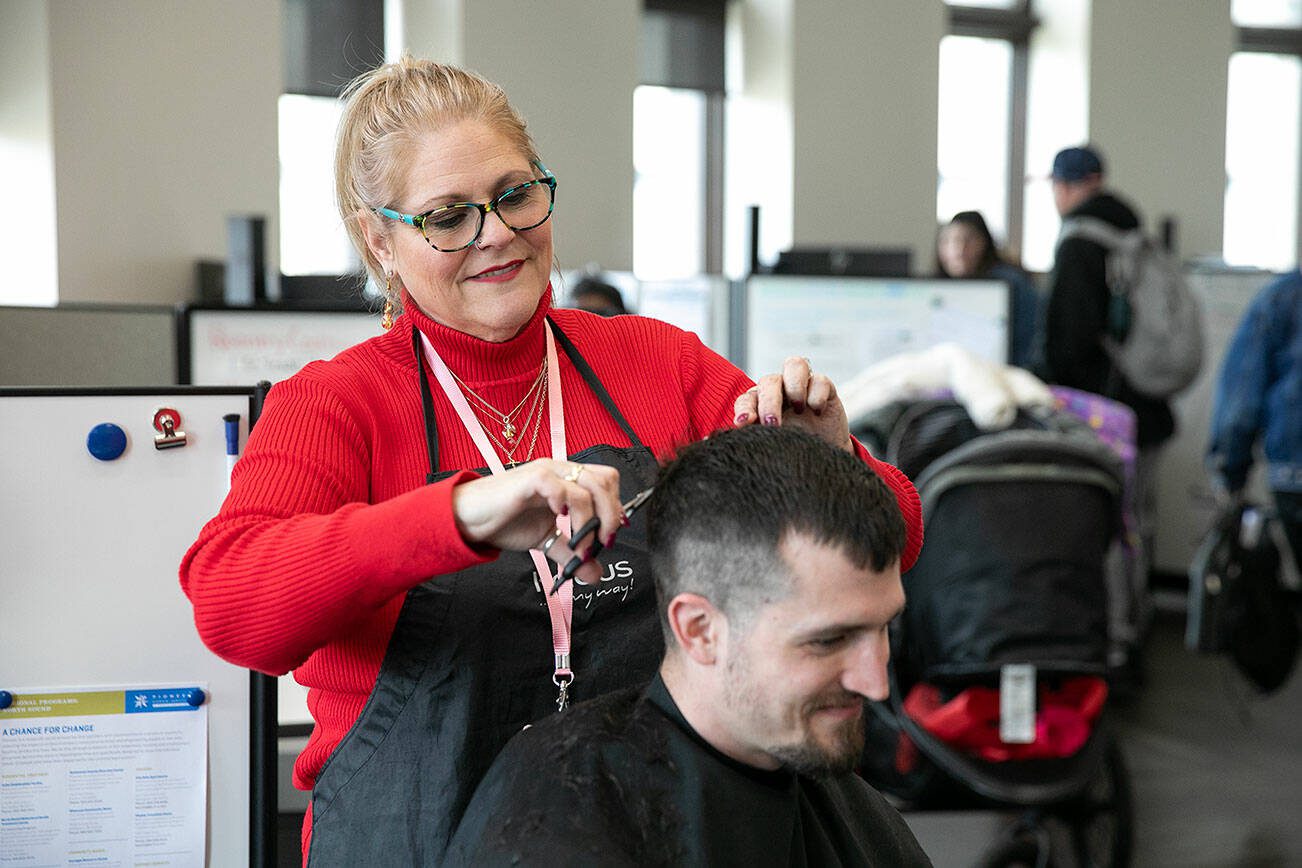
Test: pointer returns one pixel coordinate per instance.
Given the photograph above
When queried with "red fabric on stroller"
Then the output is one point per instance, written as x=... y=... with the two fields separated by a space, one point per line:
x=970 y=721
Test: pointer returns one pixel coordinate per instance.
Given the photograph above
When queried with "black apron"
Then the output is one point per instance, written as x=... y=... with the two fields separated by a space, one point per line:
x=469 y=665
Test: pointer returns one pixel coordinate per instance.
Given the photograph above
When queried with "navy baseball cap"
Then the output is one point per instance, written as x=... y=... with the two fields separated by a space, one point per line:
x=1076 y=164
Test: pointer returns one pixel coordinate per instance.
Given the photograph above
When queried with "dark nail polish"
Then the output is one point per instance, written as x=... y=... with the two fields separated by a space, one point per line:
x=741 y=418
x=771 y=420
x=610 y=540
x=623 y=519
x=798 y=406
x=565 y=509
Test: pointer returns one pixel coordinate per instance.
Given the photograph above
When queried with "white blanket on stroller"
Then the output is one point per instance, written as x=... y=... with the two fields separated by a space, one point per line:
x=990 y=392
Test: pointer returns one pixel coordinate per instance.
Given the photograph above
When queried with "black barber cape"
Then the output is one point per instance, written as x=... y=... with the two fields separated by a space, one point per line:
x=625 y=780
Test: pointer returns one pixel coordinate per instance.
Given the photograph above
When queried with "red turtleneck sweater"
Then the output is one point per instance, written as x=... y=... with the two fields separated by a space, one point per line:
x=328 y=522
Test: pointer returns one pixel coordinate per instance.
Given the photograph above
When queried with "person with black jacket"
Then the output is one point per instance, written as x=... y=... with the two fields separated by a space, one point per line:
x=1076 y=321
x=1077 y=316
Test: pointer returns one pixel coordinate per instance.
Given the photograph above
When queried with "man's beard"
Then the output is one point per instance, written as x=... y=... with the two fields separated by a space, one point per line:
x=815 y=759
x=808 y=757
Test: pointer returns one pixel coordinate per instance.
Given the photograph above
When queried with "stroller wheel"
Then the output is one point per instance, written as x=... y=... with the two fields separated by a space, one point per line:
x=1102 y=818
x=1024 y=847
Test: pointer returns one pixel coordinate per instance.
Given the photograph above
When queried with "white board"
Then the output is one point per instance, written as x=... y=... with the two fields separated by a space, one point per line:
x=88 y=565
x=240 y=347
x=845 y=324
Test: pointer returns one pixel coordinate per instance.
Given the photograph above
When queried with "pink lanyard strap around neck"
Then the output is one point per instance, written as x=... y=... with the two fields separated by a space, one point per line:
x=560 y=605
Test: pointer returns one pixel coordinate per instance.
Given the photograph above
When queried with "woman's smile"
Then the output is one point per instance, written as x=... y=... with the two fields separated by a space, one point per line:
x=499 y=273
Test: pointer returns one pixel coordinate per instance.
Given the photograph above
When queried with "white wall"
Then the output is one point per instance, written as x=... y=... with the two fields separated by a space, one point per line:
x=865 y=95
x=569 y=66
x=1157 y=109
x=27 y=222
x=164 y=122
x=576 y=91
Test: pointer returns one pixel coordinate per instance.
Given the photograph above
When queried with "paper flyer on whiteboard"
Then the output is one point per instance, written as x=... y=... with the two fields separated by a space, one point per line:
x=104 y=776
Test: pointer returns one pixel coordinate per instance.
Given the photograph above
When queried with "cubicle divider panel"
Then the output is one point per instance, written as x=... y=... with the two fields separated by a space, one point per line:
x=87 y=345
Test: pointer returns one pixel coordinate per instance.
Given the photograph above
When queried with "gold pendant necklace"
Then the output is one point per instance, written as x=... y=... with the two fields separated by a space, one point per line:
x=505 y=420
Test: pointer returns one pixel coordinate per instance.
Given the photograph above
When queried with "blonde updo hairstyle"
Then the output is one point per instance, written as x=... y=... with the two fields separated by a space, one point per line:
x=386 y=113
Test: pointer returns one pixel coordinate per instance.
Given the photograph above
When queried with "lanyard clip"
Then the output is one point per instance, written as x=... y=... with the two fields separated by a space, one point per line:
x=562 y=678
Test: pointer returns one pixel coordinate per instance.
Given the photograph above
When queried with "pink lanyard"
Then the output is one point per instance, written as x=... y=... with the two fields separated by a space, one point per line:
x=560 y=606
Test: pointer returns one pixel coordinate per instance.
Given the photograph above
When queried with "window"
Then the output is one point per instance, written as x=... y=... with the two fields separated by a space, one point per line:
x=981 y=129
x=1266 y=13
x=326 y=43
x=669 y=195
x=678 y=140
x=1263 y=106
x=973 y=129
x=1261 y=160
x=312 y=236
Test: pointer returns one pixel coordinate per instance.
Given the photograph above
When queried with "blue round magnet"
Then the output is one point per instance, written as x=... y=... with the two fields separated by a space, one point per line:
x=106 y=441
x=6 y=699
x=196 y=697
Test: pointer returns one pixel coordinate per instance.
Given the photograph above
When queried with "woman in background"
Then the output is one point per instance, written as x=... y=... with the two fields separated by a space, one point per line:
x=388 y=529
x=966 y=249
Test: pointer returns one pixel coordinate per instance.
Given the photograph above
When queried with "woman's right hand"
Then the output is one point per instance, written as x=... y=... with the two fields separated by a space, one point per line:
x=517 y=510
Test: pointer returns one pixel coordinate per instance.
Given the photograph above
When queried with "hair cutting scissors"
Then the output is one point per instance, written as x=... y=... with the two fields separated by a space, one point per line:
x=590 y=527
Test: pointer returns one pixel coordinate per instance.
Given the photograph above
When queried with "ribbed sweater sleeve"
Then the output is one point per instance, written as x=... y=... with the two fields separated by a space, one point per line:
x=906 y=496
x=297 y=557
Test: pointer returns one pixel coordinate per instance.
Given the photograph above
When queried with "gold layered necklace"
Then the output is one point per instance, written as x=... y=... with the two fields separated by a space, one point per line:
x=506 y=421
x=535 y=418
x=510 y=431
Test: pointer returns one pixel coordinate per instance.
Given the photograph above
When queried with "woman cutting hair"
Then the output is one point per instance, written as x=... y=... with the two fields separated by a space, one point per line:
x=389 y=529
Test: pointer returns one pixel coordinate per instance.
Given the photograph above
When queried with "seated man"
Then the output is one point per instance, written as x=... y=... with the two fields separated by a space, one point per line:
x=777 y=569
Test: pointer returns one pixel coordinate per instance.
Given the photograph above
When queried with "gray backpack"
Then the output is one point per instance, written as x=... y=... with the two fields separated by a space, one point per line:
x=1155 y=333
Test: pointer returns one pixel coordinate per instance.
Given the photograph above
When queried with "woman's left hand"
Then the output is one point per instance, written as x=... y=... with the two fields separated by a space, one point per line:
x=797 y=397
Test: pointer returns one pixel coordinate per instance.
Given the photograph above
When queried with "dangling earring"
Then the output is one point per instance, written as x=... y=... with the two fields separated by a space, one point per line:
x=386 y=318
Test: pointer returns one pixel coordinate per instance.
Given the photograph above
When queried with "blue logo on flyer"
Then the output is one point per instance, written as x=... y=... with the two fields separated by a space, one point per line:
x=173 y=699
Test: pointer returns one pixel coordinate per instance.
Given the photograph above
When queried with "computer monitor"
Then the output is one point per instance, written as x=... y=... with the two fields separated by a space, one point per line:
x=845 y=261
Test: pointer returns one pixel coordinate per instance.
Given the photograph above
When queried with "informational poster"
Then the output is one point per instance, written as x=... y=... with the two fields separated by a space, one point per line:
x=104 y=776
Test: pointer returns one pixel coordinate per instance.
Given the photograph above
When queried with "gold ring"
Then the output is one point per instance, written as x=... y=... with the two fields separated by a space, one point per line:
x=573 y=475
x=551 y=540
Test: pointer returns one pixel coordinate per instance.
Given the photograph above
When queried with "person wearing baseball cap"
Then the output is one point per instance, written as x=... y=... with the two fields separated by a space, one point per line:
x=1076 y=320
x=1078 y=293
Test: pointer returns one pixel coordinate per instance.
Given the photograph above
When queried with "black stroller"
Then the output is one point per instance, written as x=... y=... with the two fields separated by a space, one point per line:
x=1005 y=629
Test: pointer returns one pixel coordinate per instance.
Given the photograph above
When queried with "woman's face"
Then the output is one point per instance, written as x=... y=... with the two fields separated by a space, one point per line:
x=491 y=288
x=960 y=249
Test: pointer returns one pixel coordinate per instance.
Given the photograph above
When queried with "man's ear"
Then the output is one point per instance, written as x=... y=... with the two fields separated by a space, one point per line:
x=377 y=240
x=698 y=627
